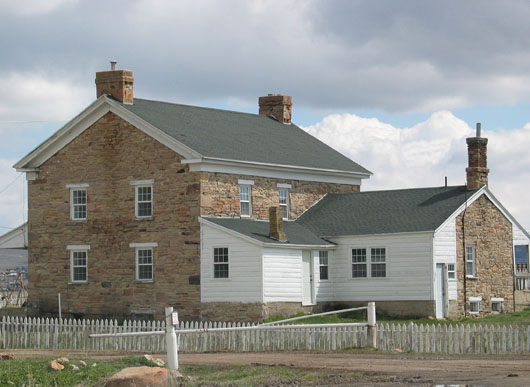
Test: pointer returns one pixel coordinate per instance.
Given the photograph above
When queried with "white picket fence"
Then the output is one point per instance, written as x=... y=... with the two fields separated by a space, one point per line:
x=38 y=333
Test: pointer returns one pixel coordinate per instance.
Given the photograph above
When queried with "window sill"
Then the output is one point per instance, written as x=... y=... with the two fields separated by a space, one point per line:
x=144 y=218
x=78 y=220
x=222 y=279
x=471 y=277
x=78 y=283
x=369 y=278
x=144 y=281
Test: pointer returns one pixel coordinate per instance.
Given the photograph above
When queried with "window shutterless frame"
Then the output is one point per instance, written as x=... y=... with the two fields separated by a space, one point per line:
x=323 y=263
x=78 y=264
x=78 y=201
x=245 y=200
x=283 y=194
x=220 y=263
x=144 y=264
x=471 y=261
x=144 y=201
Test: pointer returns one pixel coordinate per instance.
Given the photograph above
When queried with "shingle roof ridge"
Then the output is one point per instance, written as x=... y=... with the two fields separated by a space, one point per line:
x=204 y=108
x=397 y=190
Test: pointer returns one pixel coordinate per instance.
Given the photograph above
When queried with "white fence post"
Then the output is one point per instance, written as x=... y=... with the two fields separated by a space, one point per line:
x=372 y=326
x=171 y=341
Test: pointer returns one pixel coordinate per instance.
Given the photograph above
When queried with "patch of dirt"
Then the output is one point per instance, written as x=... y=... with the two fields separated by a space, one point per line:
x=345 y=368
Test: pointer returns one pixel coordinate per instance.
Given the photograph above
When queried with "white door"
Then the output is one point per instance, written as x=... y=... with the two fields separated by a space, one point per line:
x=440 y=291
x=307 y=278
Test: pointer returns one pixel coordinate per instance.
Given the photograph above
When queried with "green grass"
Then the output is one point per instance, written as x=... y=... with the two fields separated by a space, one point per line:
x=36 y=371
x=516 y=318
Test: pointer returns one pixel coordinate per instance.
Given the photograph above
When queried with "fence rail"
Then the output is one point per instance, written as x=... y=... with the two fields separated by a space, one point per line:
x=39 y=333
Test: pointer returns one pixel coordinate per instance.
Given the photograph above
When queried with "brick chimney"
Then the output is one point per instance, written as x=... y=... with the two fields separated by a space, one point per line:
x=116 y=83
x=277 y=105
x=477 y=153
x=276 y=224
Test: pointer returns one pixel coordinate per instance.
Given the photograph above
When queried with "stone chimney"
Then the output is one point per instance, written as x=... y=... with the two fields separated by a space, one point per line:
x=276 y=224
x=277 y=105
x=477 y=153
x=116 y=83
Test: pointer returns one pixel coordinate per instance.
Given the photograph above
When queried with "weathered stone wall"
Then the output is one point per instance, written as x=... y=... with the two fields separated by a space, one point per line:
x=484 y=226
x=220 y=194
x=108 y=156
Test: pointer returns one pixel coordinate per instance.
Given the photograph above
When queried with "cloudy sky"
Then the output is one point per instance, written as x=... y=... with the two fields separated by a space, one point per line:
x=395 y=85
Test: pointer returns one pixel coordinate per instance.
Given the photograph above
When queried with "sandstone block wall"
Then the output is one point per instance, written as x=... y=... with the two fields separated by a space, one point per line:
x=484 y=226
x=220 y=194
x=108 y=156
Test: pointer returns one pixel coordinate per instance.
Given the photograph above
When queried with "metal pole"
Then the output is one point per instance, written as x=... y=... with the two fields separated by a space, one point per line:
x=372 y=326
x=171 y=341
x=59 y=297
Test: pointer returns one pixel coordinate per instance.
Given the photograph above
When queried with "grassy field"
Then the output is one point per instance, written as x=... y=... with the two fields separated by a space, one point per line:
x=516 y=318
x=36 y=372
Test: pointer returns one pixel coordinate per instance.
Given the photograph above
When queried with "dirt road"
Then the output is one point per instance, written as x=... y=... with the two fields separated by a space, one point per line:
x=374 y=368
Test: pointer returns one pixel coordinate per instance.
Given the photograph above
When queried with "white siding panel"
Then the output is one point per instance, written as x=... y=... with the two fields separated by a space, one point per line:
x=244 y=258
x=409 y=268
x=518 y=237
x=282 y=275
x=445 y=252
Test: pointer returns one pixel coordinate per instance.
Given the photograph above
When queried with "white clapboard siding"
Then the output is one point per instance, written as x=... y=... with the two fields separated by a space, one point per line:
x=409 y=268
x=324 y=289
x=282 y=275
x=244 y=259
x=445 y=252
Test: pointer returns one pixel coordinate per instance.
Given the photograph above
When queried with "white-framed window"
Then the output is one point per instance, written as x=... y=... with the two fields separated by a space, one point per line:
x=378 y=262
x=451 y=271
x=375 y=267
x=143 y=201
x=359 y=264
x=245 y=199
x=78 y=201
x=474 y=305
x=323 y=264
x=144 y=258
x=471 y=267
x=220 y=262
x=497 y=304
x=283 y=195
x=78 y=263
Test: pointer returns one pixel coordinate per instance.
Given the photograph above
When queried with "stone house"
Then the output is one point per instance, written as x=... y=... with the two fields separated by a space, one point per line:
x=135 y=205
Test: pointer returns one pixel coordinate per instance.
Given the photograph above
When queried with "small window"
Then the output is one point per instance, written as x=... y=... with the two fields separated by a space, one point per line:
x=451 y=273
x=323 y=264
x=144 y=201
x=358 y=259
x=78 y=200
x=78 y=264
x=497 y=305
x=245 y=200
x=284 y=202
x=474 y=305
x=378 y=262
x=144 y=264
x=220 y=262
x=471 y=267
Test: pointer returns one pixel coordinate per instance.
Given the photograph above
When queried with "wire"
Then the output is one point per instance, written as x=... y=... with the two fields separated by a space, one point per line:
x=9 y=185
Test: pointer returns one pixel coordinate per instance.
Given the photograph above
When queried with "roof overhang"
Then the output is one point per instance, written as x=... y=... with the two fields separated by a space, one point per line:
x=250 y=168
x=264 y=244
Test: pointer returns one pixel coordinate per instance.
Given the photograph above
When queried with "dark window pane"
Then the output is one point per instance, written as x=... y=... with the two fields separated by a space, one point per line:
x=359 y=271
x=323 y=272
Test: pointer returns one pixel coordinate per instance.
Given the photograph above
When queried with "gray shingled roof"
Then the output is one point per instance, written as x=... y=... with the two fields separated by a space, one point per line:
x=241 y=136
x=259 y=230
x=381 y=212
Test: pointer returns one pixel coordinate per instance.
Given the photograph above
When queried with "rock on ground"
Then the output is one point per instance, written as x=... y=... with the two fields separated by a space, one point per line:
x=144 y=377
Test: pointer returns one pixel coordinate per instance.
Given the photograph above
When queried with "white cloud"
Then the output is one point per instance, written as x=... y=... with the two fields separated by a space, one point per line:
x=13 y=193
x=422 y=155
x=33 y=7
x=28 y=96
